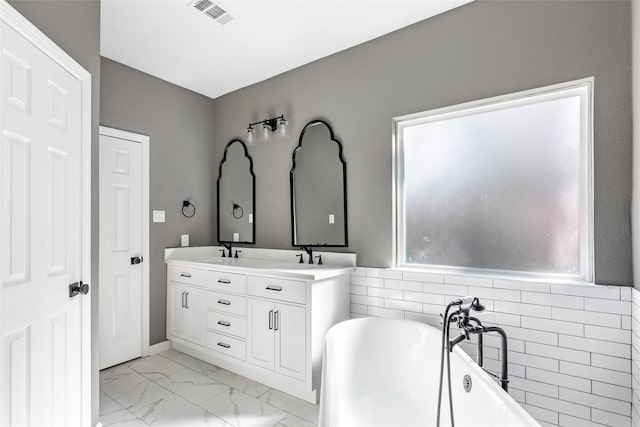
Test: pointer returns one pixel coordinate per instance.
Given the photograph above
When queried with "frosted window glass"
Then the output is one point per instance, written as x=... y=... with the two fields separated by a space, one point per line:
x=498 y=189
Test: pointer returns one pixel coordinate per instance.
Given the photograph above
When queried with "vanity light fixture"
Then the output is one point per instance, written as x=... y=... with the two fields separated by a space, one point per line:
x=265 y=128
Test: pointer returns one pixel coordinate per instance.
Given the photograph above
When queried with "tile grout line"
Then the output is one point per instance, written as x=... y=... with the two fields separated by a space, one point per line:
x=215 y=380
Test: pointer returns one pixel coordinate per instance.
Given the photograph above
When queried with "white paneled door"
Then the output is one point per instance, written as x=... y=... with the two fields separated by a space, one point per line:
x=121 y=257
x=43 y=232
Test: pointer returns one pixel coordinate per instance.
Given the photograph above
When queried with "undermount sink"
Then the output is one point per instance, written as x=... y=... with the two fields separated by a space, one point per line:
x=213 y=260
x=296 y=266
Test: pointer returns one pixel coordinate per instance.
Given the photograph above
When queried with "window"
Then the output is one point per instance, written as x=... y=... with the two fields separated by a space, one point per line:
x=501 y=186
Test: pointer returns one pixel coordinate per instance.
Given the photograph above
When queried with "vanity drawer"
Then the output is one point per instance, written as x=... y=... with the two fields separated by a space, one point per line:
x=226 y=345
x=191 y=276
x=227 y=303
x=229 y=282
x=280 y=289
x=225 y=323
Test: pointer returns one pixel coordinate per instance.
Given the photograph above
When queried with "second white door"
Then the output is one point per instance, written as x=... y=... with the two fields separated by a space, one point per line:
x=120 y=250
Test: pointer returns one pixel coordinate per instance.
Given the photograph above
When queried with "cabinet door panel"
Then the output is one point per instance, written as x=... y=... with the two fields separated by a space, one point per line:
x=177 y=313
x=260 y=340
x=290 y=341
x=196 y=312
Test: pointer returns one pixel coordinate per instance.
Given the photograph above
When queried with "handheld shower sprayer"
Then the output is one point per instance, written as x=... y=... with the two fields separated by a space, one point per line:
x=474 y=303
x=464 y=300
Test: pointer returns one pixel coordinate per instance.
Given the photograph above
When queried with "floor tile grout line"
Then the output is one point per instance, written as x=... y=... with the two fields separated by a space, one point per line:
x=172 y=394
x=122 y=408
x=199 y=405
x=215 y=380
x=269 y=389
x=184 y=398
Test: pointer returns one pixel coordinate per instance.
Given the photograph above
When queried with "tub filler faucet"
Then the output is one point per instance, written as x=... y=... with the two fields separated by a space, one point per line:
x=468 y=325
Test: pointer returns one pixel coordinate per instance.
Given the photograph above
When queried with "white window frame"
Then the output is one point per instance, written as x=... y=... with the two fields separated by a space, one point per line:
x=583 y=88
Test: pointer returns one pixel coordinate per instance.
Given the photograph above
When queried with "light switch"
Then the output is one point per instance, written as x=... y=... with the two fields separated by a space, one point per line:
x=250 y=218
x=184 y=240
x=236 y=237
x=158 y=216
x=332 y=219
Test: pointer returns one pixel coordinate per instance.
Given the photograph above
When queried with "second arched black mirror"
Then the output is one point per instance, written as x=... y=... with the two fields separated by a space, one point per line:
x=318 y=188
x=236 y=195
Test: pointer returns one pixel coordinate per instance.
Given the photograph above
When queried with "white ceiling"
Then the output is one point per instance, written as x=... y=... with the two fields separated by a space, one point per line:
x=172 y=40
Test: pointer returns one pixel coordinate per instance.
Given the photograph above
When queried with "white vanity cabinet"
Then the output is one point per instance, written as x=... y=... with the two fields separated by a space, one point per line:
x=187 y=314
x=258 y=322
x=277 y=329
x=277 y=337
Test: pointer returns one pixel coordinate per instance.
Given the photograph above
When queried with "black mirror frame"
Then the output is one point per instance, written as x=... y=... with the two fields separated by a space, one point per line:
x=253 y=181
x=344 y=187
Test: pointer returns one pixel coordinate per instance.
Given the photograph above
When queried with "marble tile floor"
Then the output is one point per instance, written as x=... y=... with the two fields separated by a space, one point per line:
x=174 y=389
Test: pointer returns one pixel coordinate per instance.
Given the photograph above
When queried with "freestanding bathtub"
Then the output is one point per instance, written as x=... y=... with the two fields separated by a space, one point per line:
x=385 y=372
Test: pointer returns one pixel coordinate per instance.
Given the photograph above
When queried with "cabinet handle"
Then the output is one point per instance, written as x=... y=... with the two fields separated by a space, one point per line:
x=185 y=274
x=224 y=302
x=225 y=281
x=276 y=320
x=186 y=300
x=183 y=299
x=274 y=288
x=223 y=344
x=270 y=319
x=223 y=323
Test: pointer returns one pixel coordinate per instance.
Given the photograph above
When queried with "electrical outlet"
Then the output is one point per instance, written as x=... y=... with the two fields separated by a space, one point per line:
x=332 y=219
x=236 y=237
x=184 y=240
x=250 y=218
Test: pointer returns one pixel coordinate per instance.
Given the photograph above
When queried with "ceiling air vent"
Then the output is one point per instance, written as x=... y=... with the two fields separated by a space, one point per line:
x=213 y=11
x=202 y=5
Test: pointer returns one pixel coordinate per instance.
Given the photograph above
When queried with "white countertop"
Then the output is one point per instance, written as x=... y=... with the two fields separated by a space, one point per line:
x=268 y=262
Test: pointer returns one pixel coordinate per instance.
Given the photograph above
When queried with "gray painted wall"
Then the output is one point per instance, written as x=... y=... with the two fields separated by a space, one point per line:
x=477 y=51
x=635 y=9
x=75 y=27
x=181 y=127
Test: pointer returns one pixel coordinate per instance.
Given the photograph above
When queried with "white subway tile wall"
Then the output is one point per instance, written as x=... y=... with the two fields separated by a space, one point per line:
x=635 y=356
x=570 y=346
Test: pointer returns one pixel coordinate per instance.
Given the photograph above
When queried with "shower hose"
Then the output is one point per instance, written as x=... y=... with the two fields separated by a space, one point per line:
x=445 y=350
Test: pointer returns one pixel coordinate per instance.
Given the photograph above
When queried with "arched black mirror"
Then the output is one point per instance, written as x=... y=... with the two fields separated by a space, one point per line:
x=236 y=195
x=318 y=188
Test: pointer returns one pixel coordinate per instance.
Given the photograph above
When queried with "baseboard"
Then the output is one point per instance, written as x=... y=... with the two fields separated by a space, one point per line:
x=159 y=347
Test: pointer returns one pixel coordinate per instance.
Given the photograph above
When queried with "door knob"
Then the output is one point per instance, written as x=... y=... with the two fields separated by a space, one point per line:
x=78 y=288
x=136 y=260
